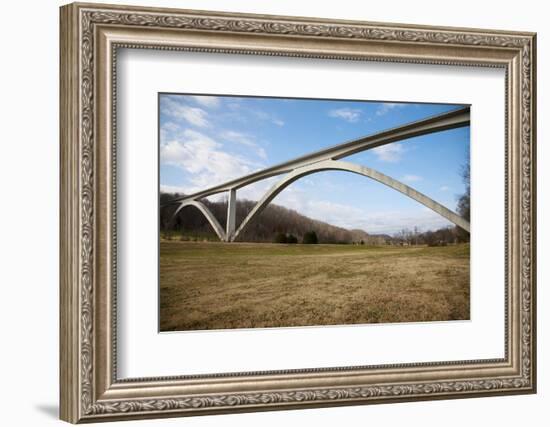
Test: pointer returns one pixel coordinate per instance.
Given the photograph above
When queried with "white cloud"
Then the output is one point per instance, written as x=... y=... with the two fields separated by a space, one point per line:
x=238 y=137
x=444 y=188
x=170 y=127
x=202 y=158
x=244 y=139
x=169 y=130
x=262 y=115
x=207 y=101
x=351 y=115
x=351 y=217
x=389 y=153
x=257 y=190
x=261 y=153
x=411 y=178
x=386 y=107
x=239 y=112
x=193 y=115
x=333 y=213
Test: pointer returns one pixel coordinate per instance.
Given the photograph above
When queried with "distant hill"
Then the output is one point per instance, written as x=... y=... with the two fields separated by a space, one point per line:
x=371 y=239
x=273 y=220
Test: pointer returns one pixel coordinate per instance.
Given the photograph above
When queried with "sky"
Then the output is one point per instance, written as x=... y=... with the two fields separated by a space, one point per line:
x=207 y=140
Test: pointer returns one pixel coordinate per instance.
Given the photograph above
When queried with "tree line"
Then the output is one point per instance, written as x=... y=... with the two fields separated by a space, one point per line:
x=441 y=237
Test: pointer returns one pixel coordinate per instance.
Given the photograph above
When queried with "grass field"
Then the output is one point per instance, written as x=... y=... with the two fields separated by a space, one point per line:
x=219 y=285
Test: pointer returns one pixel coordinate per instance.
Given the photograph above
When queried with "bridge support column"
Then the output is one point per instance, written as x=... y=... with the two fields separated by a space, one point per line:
x=231 y=215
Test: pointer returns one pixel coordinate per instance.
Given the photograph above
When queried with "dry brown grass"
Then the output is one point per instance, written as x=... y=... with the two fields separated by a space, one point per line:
x=220 y=285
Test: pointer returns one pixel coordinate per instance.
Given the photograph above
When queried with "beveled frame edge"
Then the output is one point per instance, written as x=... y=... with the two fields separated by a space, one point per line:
x=89 y=391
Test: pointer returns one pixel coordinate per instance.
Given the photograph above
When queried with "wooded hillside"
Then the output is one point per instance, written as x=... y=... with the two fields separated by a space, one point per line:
x=277 y=221
x=272 y=221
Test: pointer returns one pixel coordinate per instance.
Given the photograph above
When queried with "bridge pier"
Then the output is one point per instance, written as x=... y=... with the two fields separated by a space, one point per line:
x=231 y=215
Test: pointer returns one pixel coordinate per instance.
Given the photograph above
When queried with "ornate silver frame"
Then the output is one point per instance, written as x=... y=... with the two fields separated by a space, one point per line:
x=90 y=36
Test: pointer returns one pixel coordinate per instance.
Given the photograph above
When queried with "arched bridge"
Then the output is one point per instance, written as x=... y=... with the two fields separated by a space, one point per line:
x=324 y=160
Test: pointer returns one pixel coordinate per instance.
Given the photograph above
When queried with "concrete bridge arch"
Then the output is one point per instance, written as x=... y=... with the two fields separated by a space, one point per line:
x=207 y=213
x=357 y=169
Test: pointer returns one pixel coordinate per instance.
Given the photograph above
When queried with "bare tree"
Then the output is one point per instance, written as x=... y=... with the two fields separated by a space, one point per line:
x=464 y=199
x=463 y=205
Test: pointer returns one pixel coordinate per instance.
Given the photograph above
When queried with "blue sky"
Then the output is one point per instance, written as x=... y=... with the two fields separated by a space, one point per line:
x=207 y=140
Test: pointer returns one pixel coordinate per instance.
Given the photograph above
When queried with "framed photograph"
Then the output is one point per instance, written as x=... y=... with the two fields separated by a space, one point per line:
x=266 y=212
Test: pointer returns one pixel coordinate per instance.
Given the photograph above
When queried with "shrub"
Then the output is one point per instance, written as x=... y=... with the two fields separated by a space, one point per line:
x=291 y=238
x=280 y=238
x=310 y=238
